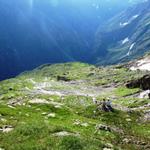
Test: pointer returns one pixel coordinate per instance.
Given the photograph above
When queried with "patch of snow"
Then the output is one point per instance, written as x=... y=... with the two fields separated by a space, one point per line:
x=125 y=40
x=145 y=67
x=131 y=47
x=128 y=54
x=128 y=22
x=133 y=68
x=135 y=16
x=124 y=24
x=143 y=64
x=144 y=94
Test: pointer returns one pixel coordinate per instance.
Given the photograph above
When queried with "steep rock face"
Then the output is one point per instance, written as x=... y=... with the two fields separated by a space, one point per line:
x=125 y=36
x=143 y=83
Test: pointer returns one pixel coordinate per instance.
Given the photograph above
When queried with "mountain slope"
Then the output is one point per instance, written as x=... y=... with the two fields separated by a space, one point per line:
x=52 y=107
x=35 y=32
x=125 y=36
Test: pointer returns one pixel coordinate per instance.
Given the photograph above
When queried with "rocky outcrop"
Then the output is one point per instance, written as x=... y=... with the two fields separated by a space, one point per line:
x=62 y=78
x=143 y=83
x=128 y=33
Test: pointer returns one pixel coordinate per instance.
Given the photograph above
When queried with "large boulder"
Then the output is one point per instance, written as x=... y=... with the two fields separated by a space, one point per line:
x=143 y=83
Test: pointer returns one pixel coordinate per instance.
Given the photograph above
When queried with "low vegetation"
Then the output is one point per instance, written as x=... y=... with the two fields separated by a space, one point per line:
x=40 y=112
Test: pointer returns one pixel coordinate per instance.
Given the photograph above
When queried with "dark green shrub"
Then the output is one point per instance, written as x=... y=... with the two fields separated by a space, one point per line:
x=71 y=143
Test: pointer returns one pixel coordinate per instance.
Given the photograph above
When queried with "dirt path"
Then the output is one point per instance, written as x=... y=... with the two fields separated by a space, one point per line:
x=67 y=88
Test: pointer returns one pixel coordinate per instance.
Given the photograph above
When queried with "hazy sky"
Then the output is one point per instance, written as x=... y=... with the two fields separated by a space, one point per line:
x=84 y=2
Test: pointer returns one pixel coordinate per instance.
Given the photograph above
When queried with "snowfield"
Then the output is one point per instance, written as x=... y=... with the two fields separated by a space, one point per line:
x=143 y=64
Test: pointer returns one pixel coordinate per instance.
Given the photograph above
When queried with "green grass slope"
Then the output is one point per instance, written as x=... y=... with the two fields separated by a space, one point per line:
x=51 y=108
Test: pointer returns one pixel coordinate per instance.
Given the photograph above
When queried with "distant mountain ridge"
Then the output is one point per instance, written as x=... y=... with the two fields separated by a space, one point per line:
x=35 y=32
x=125 y=36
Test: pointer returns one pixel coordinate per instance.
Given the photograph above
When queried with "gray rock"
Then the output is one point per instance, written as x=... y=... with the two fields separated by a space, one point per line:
x=6 y=128
x=52 y=115
x=103 y=127
x=64 y=133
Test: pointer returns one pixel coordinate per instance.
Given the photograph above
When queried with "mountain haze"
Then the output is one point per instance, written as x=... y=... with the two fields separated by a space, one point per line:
x=35 y=32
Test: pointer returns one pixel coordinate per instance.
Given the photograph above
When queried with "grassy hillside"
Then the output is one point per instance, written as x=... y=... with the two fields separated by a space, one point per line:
x=51 y=108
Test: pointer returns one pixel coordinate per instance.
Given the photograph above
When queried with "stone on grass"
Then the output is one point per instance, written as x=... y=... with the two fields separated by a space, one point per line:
x=11 y=106
x=79 y=123
x=3 y=119
x=146 y=117
x=128 y=119
x=64 y=133
x=38 y=101
x=53 y=115
x=27 y=115
x=57 y=106
x=126 y=140
x=103 y=127
x=44 y=113
x=24 y=104
x=109 y=145
x=107 y=148
x=6 y=128
x=84 y=124
x=108 y=128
